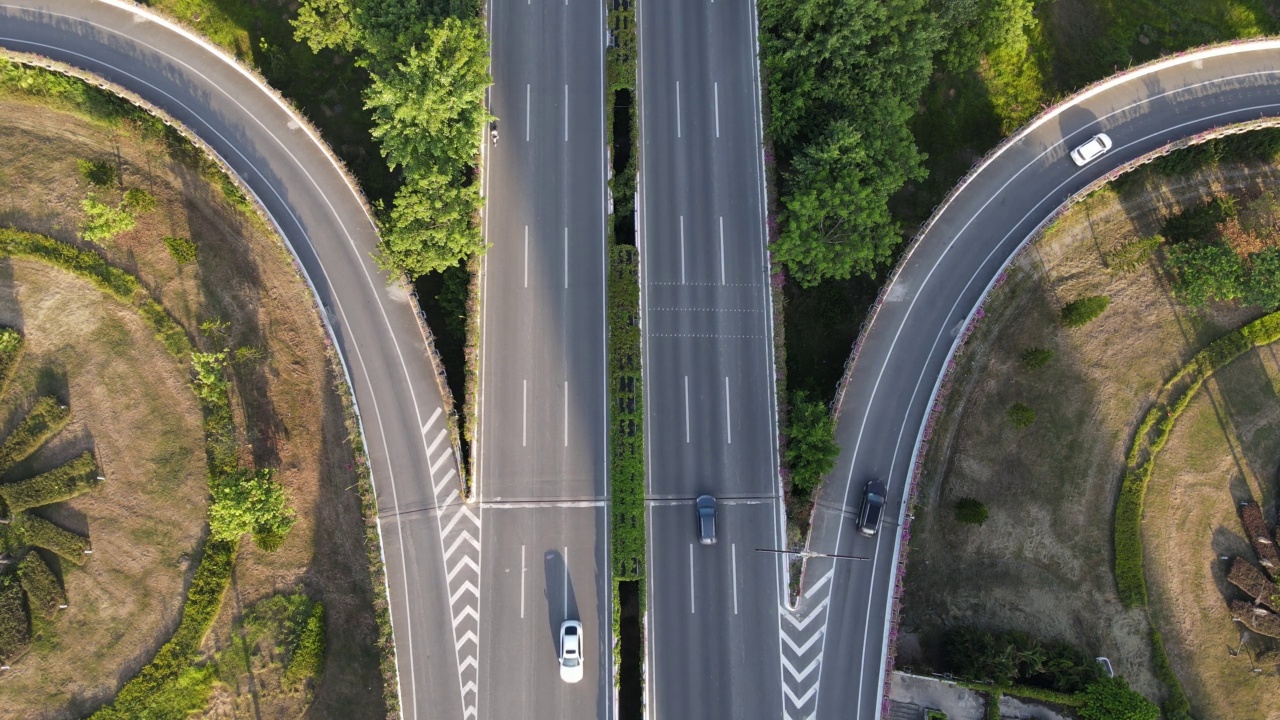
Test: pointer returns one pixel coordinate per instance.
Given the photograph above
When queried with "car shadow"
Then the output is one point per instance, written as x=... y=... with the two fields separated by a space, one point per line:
x=562 y=602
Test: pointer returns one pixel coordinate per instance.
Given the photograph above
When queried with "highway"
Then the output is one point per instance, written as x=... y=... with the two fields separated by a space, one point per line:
x=937 y=287
x=714 y=649
x=430 y=538
x=540 y=449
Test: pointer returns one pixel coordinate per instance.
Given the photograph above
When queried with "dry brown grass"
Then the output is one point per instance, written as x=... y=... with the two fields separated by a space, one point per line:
x=1043 y=561
x=245 y=277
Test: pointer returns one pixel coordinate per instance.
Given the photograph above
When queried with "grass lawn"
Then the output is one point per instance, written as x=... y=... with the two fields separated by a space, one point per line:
x=1042 y=561
x=287 y=401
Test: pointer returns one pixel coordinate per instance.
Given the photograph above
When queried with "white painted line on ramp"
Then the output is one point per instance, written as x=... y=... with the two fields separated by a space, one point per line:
x=430 y=421
x=722 y=250
x=677 y=108
x=693 y=607
x=524 y=413
x=686 y=410
x=523 y=570
x=733 y=552
x=728 y=417
x=681 y=249
x=715 y=89
x=528 y=94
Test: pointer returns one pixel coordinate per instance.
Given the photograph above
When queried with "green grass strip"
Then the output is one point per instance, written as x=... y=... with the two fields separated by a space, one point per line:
x=626 y=417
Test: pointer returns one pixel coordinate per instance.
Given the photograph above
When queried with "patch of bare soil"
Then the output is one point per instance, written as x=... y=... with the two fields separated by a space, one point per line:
x=1042 y=562
x=286 y=395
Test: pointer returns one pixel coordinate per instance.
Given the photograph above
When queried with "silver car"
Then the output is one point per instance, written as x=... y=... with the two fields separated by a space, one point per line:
x=1091 y=150
x=571 y=651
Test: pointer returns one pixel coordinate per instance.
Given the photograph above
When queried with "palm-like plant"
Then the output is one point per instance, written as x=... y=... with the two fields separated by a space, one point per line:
x=23 y=571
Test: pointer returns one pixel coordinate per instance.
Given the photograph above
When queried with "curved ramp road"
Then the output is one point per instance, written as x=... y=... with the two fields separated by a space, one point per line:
x=430 y=539
x=932 y=297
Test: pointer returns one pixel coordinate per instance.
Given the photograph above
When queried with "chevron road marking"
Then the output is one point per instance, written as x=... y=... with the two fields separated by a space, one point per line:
x=431 y=421
x=799 y=702
x=821 y=581
x=468 y=610
x=800 y=676
x=800 y=625
x=449 y=500
x=468 y=585
x=443 y=459
x=469 y=661
x=468 y=636
x=464 y=512
x=801 y=649
x=458 y=541
x=444 y=432
x=447 y=476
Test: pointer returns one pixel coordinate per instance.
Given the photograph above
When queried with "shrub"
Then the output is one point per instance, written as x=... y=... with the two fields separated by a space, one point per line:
x=626 y=416
x=44 y=594
x=138 y=200
x=98 y=172
x=183 y=250
x=62 y=483
x=306 y=658
x=1018 y=663
x=84 y=263
x=1131 y=255
x=15 y=630
x=1128 y=537
x=1035 y=358
x=1111 y=699
x=11 y=347
x=38 y=532
x=1079 y=312
x=971 y=511
x=47 y=417
x=248 y=502
x=103 y=222
x=811 y=443
x=1021 y=416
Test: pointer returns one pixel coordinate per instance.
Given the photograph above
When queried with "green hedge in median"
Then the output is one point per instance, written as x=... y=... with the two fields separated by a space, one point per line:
x=626 y=417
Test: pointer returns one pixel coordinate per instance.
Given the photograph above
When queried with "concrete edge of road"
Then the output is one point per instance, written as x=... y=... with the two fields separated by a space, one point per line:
x=915 y=467
x=259 y=207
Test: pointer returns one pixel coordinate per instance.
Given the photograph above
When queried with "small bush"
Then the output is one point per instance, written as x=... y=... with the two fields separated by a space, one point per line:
x=11 y=347
x=1131 y=255
x=103 y=222
x=811 y=443
x=38 y=532
x=183 y=250
x=63 y=483
x=1079 y=312
x=46 y=418
x=98 y=172
x=15 y=629
x=1035 y=358
x=971 y=511
x=1112 y=699
x=306 y=660
x=249 y=502
x=44 y=594
x=137 y=200
x=1021 y=416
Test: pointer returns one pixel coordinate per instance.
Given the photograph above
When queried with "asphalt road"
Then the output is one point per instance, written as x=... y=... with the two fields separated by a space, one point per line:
x=713 y=643
x=911 y=339
x=541 y=472
x=424 y=526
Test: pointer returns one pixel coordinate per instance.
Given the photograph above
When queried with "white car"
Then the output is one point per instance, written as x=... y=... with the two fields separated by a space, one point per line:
x=1091 y=150
x=571 y=651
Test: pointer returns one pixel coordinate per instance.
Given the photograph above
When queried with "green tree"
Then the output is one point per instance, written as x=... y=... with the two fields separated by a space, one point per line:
x=138 y=200
x=1112 y=699
x=1205 y=272
x=1035 y=358
x=430 y=226
x=1263 y=288
x=971 y=511
x=103 y=222
x=183 y=250
x=325 y=24
x=98 y=172
x=1021 y=415
x=248 y=502
x=1082 y=310
x=811 y=442
x=211 y=381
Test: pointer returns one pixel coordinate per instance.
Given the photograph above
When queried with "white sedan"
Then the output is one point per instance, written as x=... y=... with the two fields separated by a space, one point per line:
x=1091 y=150
x=571 y=651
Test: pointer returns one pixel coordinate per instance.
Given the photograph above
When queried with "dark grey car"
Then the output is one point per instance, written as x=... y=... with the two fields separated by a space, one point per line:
x=872 y=508
x=706 y=520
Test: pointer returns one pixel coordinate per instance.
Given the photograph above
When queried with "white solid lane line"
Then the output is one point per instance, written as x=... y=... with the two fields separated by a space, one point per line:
x=526 y=256
x=524 y=413
x=733 y=554
x=523 y=568
x=566 y=413
x=566 y=583
x=566 y=258
x=686 y=409
x=715 y=89
x=728 y=418
x=677 y=108
x=528 y=94
x=693 y=608
x=722 y=282
x=681 y=249
x=566 y=104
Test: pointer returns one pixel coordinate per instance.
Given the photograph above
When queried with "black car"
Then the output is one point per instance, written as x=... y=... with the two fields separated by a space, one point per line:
x=706 y=520
x=872 y=508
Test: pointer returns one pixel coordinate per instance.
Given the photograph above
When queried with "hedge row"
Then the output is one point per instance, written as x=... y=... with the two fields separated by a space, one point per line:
x=171 y=685
x=306 y=659
x=94 y=268
x=62 y=483
x=1176 y=706
x=44 y=593
x=41 y=533
x=47 y=417
x=11 y=347
x=1145 y=447
x=1024 y=691
x=15 y=630
x=626 y=416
